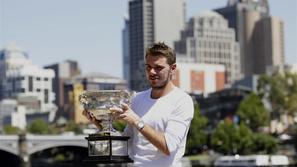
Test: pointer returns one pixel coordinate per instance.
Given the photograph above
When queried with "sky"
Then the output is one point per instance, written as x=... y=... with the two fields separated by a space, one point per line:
x=90 y=31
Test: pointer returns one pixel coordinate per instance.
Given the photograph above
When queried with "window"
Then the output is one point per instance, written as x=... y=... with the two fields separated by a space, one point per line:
x=13 y=84
x=30 y=83
x=45 y=95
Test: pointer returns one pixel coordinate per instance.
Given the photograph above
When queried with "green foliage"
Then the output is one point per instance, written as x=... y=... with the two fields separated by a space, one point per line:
x=9 y=130
x=252 y=112
x=295 y=135
x=281 y=91
x=196 y=135
x=264 y=143
x=291 y=102
x=72 y=126
x=245 y=140
x=225 y=138
x=229 y=138
x=54 y=130
x=38 y=126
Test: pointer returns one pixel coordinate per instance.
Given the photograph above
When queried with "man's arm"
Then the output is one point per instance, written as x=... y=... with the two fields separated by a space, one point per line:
x=153 y=136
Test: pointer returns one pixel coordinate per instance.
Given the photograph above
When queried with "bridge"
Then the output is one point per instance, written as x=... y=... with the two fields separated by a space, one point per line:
x=25 y=145
x=35 y=143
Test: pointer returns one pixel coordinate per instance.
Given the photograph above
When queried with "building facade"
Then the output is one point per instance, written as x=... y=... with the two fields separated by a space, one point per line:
x=20 y=79
x=197 y=78
x=63 y=71
x=254 y=28
x=13 y=114
x=221 y=105
x=269 y=41
x=151 y=21
x=125 y=46
x=208 y=39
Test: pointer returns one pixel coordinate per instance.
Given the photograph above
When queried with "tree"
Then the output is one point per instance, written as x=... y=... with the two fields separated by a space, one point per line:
x=264 y=143
x=281 y=91
x=225 y=138
x=8 y=129
x=229 y=138
x=252 y=112
x=72 y=126
x=197 y=138
x=38 y=126
x=245 y=141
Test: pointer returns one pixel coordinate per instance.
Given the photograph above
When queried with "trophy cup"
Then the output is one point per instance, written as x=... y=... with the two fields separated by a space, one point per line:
x=107 y=145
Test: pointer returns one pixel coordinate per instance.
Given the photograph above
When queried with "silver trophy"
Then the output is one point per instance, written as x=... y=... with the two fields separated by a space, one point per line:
x=107 y=145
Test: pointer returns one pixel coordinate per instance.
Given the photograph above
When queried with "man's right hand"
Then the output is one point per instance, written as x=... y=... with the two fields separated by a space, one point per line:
x=91 y=118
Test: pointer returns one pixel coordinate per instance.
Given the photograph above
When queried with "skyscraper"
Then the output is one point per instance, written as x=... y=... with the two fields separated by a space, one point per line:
x=269 y=41
x=151 y=21
x=208 y=39
x=125 y=45
x=246 y=16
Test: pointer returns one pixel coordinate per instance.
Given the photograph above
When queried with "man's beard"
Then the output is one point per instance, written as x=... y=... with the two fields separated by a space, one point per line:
x=162 y=84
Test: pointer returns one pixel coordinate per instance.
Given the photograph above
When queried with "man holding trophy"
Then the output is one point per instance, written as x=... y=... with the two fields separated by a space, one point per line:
x=159 y=118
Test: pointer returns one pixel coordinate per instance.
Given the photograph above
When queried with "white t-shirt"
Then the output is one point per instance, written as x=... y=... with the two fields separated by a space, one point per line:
x=170 y=114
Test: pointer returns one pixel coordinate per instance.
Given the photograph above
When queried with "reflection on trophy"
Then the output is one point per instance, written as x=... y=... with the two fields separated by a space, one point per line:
x=108 y=145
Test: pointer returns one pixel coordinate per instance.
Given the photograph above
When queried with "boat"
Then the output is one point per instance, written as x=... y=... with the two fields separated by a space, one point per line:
x=252 y=160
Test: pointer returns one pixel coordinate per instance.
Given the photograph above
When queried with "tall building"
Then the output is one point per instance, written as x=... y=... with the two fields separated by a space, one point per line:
x=208 y=39
x=20 y=79
x=237 y=10
x=269 y=41
x=63 y=71
x=125 y=45
x=151 y=21
x=246 y=17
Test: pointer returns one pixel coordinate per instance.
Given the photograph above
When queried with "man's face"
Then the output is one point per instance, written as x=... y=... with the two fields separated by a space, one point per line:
x=158 y=71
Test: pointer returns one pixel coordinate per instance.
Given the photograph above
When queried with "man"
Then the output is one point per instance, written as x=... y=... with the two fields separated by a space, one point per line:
x=159 y=118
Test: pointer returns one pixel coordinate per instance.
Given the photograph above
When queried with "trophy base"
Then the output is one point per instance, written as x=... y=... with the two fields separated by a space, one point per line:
x=108 y=159
x=106 y=149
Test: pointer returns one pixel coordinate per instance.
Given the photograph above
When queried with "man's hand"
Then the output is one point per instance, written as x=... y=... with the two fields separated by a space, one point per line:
x=125 y=113
x=91 y=118
x=155 y=137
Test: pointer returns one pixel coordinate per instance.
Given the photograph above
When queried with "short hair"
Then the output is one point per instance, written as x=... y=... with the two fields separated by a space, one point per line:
x=162 y=49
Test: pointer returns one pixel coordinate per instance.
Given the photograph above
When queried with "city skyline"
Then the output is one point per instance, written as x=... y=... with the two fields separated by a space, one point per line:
x=90 y=33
